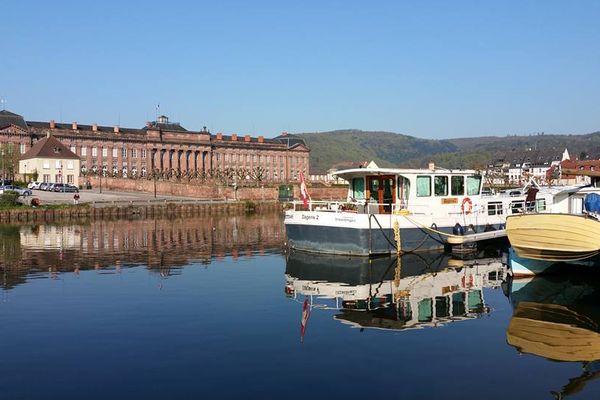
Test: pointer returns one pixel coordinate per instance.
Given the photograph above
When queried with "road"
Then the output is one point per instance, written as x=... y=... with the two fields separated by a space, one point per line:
x=107 y=197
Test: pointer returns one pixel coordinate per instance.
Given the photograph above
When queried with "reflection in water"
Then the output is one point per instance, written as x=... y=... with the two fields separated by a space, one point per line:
x=412 y=291
x=558 y=317
x=160 y=244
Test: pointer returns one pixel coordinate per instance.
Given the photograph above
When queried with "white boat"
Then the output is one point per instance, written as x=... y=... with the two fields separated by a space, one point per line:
x=428 y=207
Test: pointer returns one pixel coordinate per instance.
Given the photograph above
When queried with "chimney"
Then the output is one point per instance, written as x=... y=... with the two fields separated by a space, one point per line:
x=116 y=129
x=261 y=139
x=74 y=126
x=431 y=166
x=219 y=136
x=52 y=124
x=247 y=138
x=95 y=128
x=234 y=137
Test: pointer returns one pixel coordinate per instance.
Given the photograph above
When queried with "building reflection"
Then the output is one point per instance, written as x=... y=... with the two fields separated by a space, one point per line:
x=558 y=317
x=412 y=291
x=163 y=245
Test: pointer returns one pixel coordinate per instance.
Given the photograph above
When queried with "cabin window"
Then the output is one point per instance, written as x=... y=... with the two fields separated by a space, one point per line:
x=358 y=189
x=457 y=185
x=540 y=205
x=403 y=189
x=440 y=185
x=517 y=207
x=423 y=186
x=473 y=185
x=374 y=189
x=494 y=208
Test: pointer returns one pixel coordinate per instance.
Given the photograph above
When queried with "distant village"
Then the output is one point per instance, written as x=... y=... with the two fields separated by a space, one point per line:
x=505 y=174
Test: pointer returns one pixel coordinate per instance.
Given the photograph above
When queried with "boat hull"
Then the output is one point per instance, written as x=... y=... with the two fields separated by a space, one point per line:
x=361 y=235
x=554 y=237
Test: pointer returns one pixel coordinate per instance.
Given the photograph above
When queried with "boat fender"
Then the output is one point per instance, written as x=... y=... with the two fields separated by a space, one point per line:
x=458 y=230
x=470 y=229
x=466 y=206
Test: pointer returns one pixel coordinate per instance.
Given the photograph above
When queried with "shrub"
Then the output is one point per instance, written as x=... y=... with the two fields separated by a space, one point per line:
x=8 y=198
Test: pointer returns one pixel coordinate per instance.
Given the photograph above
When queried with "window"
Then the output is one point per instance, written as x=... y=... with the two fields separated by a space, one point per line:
x=540 y=205
x=423 y=186
x=94 y=151
x=22 y=148
x=83 y=151
x=124 y=152
x=73 y=149
x=403 y=189
x=70 y=164
x=57 y=164
x=495 y=208
x=115 y=152
x=517 y=207
x=104 y=152
x=358 y=189
x=58 y=178
x=70 y=179
x=440 y=185
x=457 y=185
x=143 y=154
x=46 y=178
x=46 y=165
x=473 y=185
x=133 y=153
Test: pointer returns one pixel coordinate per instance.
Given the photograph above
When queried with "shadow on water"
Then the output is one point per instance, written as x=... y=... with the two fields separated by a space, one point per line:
x=163 y=245
x=558 y=317
x=407 y=292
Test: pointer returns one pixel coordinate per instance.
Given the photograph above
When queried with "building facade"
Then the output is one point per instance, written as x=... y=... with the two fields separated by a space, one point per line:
x=162 y=146
x=51 y=161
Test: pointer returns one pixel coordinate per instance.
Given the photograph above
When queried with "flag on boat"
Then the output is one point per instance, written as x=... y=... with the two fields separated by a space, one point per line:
x=304 y=320
x=303 y=192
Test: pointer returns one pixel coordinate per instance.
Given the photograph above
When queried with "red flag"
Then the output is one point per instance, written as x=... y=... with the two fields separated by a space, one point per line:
x=303 y=192
x=304 y=320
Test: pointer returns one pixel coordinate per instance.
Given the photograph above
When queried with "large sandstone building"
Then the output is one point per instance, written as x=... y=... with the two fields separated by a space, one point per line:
x=162 y=146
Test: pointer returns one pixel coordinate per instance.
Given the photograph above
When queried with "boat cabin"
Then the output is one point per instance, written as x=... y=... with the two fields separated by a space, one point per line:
x=383 y=191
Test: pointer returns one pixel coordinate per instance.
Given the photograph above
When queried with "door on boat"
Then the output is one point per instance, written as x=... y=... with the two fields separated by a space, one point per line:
x=382 y=190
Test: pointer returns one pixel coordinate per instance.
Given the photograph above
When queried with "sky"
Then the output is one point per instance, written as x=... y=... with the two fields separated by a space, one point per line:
x=430 y=69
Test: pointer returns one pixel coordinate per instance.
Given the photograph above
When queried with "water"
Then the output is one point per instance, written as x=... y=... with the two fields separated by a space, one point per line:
x=213 y=307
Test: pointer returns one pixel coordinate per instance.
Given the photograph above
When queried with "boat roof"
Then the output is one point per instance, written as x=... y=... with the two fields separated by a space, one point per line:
x=403 y=171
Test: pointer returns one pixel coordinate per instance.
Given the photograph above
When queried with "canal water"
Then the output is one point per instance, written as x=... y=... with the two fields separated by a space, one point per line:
x=214 y=307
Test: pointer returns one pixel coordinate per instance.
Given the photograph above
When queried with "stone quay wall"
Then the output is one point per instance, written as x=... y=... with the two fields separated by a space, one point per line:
x=213 y=191
x=160 y=210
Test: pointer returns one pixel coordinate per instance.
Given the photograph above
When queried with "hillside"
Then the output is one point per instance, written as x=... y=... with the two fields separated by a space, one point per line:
x=392 y=149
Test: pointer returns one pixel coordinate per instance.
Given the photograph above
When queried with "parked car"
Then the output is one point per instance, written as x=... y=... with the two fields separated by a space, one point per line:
x=62 y=187
x=12 y=188
x=44 y=185
x=50 y=187
x=34 y=185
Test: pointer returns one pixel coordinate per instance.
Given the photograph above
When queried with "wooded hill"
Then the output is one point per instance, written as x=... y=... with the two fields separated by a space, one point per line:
x=389 y=149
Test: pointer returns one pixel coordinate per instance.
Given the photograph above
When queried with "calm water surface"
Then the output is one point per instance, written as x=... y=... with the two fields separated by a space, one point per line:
x=213 y=307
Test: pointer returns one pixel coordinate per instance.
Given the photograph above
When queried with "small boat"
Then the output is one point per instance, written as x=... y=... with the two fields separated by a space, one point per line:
x=554 y=237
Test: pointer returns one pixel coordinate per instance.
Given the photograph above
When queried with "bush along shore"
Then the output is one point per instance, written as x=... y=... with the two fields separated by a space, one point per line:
x=50 y=213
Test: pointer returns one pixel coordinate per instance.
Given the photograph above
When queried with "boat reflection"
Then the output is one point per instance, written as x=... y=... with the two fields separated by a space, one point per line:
x=558 y=317
x=412 y=291
x=163 y=245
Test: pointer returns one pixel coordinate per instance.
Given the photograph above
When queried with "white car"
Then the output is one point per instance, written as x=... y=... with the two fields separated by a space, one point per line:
x=34 y=185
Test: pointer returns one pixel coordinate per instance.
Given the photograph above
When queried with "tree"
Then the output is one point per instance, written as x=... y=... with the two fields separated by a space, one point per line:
x=9 y=160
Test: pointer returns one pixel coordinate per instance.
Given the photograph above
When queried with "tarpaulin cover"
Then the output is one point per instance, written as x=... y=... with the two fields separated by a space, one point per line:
x=592 y=202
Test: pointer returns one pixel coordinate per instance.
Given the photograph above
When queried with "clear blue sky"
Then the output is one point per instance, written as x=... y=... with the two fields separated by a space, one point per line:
x=427 y=69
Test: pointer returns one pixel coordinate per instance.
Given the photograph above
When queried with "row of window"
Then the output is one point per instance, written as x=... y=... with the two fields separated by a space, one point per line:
x=456 y=186
x=517 y=207
x=115 y=152
x=58 y=178
x=57 y=164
